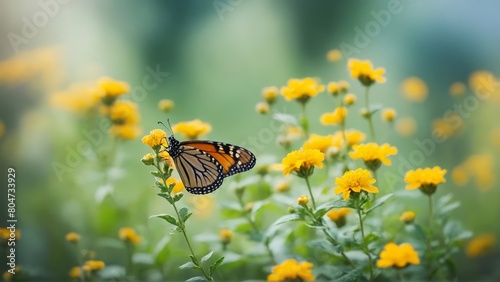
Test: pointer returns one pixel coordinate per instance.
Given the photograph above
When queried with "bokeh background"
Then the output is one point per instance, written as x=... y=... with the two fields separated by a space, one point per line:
x=219 y=55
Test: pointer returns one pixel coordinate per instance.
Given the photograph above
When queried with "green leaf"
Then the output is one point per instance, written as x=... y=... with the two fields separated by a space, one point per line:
x=185 y=214
x=380 y=201
x=244 y=227
x=156 y=174
x=375 y=108
x=178 y=197
x=285 y=119
x=170 y=219
x=206 y=257
x=326 y=246
x=449 y=208
x=214 y=266
x=416 y=231
x=372 y=237
x=286 y=218
x=324 y=208
x=193 y=259
x=189 y=265
x=166 y=196
x=196 y=278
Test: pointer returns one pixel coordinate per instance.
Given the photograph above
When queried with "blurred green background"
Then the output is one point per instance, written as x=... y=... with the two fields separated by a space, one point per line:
x=219 y=56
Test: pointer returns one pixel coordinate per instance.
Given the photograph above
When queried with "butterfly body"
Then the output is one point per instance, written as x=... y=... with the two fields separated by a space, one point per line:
x=203 y=165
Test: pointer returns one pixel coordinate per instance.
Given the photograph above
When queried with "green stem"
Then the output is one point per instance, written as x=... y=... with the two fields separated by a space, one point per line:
x=365 y=249
x=304 y=122
x=400 y=275
x=310 y=193
x=429 y=238
x=130 y=268
x=376 y=181
x=334 y=242
x=369 y=117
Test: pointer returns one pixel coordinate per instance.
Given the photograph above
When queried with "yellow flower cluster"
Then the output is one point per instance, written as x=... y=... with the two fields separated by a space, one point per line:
x=291 y=270
x=373 y=154
x=338 y=216
x=334 y=55
x=334 y=118
x=112 y=89
x=93 y=265
x=397 y=256
x=301 y=89
x=192 y=129
x=79 y=98
x=355 y=181
x=478 y=167
x=302 y=161
x=316 y=141
x=364 y=72
x=155 y=139
x=129 y=235
x=166 y=105
x=5 y=234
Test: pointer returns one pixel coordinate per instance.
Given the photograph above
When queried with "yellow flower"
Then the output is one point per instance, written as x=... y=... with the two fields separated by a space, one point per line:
x=262 y=108
x=93 y=265
x=75 y=272
x=301 y=89
x=166 y=105
x=179 y=186
x=5 y=234
x=414 y=89
x=355 y=181
x=72 y=237
x=269 y=94
x=319 y=142
x=482 y=81
x=332 y=88
x=349 y=99
x=397 y=256
x=426 y=179
x=480 y=245
x=481 y=168
x=388 y=114
x=148 y=159
x=343 y=86
x=407 y=217
x=225 y=236
x=406 y=126
x=128 y=234
x=373 y=154
x=460 y=176
x=354 y=137
x=155 y=139
x=112 y=89
x=441 y=128
x=334 y=55
x=123 y=112
x=291 y=270
x=302 y=200
x=125 y=131
x=457 y=88
x=2 y=128
x=338 y=216
x=335 y=117
x=364 y=72
x=282 y=186
x=192 y=129
x=203 y=206
x=79 y=98
x=303 y=161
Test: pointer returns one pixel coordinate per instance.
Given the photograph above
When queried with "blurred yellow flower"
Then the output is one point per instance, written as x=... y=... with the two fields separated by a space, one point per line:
x=112 y=89
x=79 y=98
x=373 y=154
x=397 y=256
x=332 y=88
x=302 y=161
x=343 y=86
x=406 y=126
x=302 y=200
x=442 y=128
x=481 y=167
x=5 y=234
x=354 y=137
x=291 y=270
x=192 y=129
x=291 y=133
x=282 y=186
x=225 y=236
x=125 y=131
x=123 y=112
x=72 y=237
x=155 y=139
x=2 y=128
x=480 y=245
x=335 y=117
x=460 y=176
x=407 y=217
x=166 y=105
x=482 y=81
x=301 y=89
x=414 y=89
x=334 y=55
x=349 y=99
x=129 y=235
x=93 y=265
x=203 y=206
x=364 y=72
x=388 y=114
x=355 y=181
x=269 y=94
x=426 y=179
x=262 y=108
x=457 y=88
x=338 y=216
x=75 y=272
x=179 y=186
x=319 y=142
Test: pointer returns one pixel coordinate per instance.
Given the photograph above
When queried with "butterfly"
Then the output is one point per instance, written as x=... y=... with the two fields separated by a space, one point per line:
x=203 y=165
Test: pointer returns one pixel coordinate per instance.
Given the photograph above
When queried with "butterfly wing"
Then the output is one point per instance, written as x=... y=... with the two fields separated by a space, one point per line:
x=200 y=172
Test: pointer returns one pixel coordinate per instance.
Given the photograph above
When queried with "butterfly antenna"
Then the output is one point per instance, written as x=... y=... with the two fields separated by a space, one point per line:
x=169 y=127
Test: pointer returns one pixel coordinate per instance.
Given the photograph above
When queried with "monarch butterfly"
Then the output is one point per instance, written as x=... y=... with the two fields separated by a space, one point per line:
x=203 y=165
